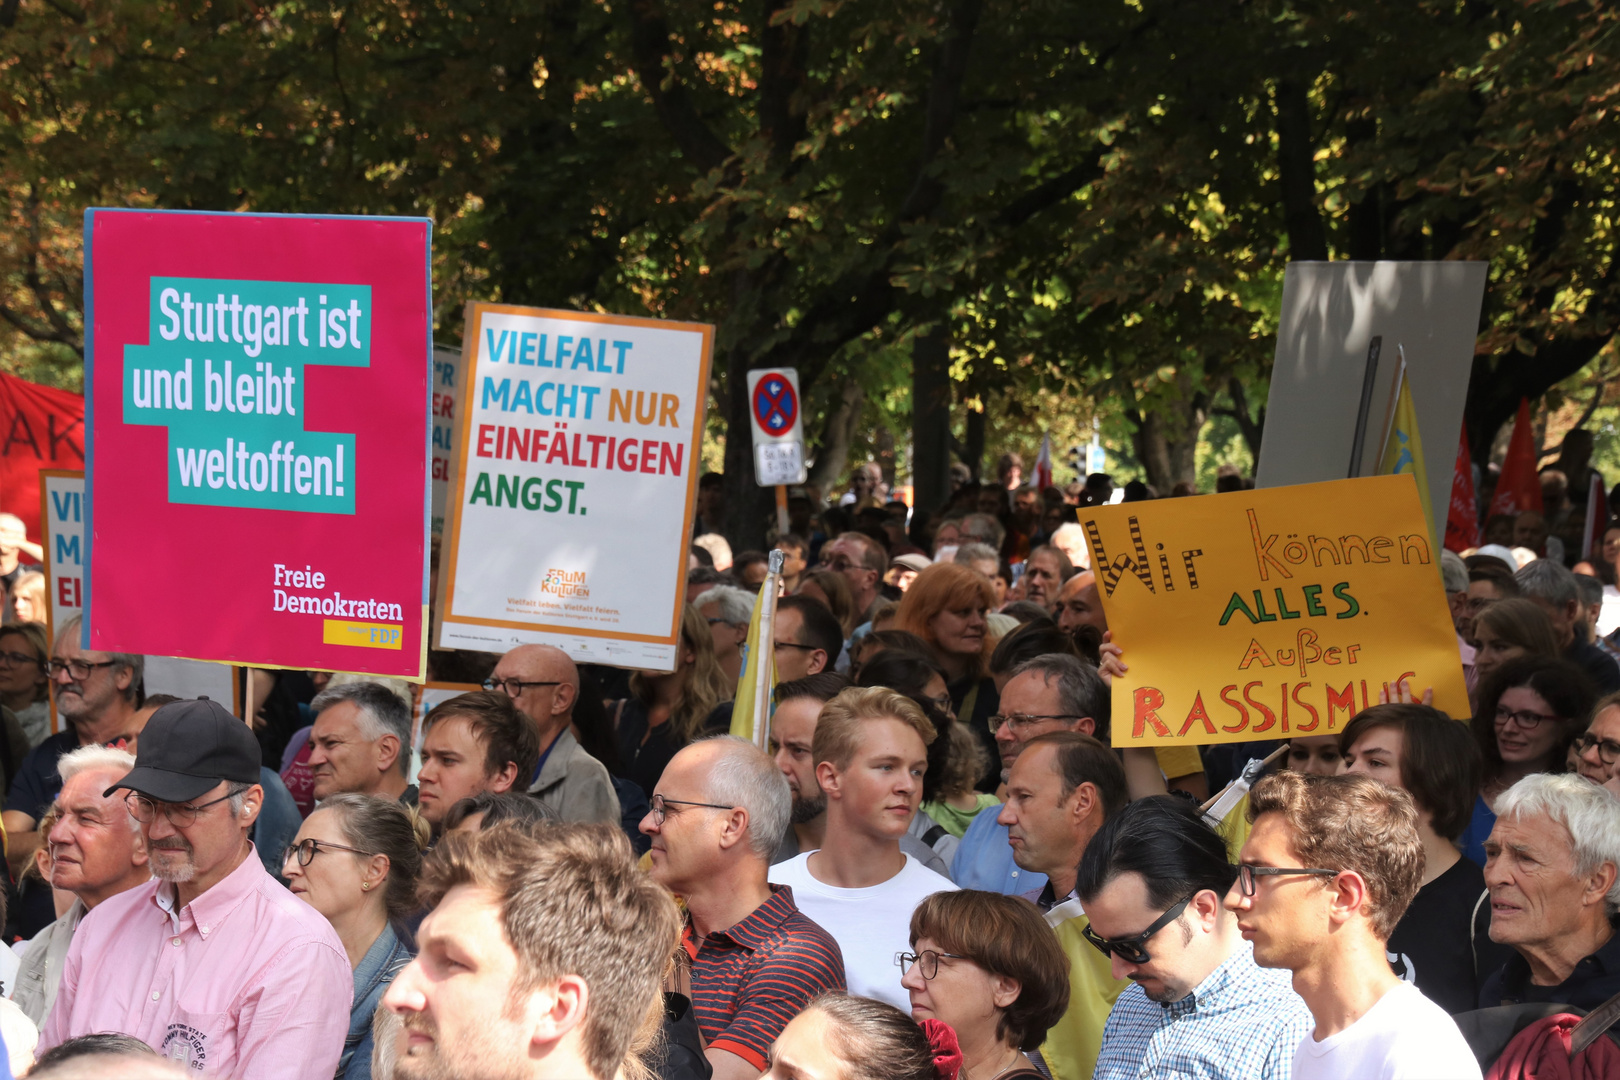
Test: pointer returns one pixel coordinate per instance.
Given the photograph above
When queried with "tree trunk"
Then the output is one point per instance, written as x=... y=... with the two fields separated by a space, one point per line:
x=973 y=443
x=1296 y=171
x=1166 y=437
x=837 y=432
x=931 y=419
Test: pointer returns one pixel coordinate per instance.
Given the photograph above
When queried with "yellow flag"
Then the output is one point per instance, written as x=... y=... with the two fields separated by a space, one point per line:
x=1403 y=450
x=751 y=708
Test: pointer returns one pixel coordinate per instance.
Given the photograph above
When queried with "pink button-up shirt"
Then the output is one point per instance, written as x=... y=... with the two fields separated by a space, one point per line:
x=247 y=981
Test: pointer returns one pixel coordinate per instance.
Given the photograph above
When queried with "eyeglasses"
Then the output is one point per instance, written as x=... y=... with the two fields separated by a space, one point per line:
x=942 y=702
x=661 y=805
x=1607 y=749
x=306 y=850
x=1017 y=722
x=1477 y=604
x=928 y=958
x=1523 y=717
x=17 y=659
x=514 y=687
x=1247 y=874
x=840 y=563
x=793 y=645
x=76 y=669
x=1129 y=949
x=180 y=815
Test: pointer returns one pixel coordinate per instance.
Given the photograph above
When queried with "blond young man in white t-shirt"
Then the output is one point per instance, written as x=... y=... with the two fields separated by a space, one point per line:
x=1327 y=872
x=870 y=750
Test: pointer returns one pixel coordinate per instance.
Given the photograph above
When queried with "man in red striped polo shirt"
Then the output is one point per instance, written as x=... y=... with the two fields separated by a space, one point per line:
x=718 y=813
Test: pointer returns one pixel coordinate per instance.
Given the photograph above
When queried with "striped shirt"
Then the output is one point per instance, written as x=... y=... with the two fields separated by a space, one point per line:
x=750 y=980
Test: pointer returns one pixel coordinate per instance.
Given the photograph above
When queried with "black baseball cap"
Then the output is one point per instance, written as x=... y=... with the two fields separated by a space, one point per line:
x=187 y=748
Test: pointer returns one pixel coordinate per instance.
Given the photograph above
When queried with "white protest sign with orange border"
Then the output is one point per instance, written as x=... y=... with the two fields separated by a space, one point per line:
x=578 y=441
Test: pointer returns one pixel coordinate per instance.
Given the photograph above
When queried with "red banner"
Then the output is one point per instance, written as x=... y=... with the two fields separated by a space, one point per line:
x=1462 y=519
x=1519 y=489
x=43 y=429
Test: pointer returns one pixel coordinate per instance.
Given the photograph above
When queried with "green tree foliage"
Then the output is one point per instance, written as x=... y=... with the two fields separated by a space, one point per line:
x=1091 y=199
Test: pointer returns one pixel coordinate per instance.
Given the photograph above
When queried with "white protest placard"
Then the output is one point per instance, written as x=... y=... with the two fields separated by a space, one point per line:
x=570 y=518
x=61 y=513
x=446 y=388
x=1331 y=312
x=777 y=420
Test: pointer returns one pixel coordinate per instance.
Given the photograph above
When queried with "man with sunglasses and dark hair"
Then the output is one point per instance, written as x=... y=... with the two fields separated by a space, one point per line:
x=1153 y=881
x=97 y=695
x=213 y=963
x=1329 y=868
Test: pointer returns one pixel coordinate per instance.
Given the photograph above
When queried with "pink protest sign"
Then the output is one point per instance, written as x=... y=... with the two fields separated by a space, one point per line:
x=258 y=437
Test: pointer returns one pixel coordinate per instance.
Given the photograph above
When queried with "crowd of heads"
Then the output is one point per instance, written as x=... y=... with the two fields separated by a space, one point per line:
x=923 y=663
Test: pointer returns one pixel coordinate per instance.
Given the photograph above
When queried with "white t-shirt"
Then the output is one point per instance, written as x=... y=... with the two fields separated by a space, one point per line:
x=870 y=925
x=1405 y=1036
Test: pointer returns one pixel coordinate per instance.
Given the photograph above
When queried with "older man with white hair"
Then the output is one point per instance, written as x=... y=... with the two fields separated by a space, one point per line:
x=1552 y=864
x=717 y=813
x=728 y=611
x=96 y=852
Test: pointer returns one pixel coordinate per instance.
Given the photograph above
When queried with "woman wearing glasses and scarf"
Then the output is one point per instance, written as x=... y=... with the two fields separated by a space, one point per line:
x=355 y=861
x=988 y=966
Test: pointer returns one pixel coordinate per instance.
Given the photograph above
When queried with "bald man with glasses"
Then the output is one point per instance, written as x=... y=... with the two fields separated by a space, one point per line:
x=543 y=684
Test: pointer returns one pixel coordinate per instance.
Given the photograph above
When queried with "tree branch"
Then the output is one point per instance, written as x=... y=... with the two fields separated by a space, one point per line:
x=649 y=50
x=944 y=98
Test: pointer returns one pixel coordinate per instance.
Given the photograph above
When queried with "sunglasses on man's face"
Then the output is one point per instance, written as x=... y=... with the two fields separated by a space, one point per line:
x=1130 y=949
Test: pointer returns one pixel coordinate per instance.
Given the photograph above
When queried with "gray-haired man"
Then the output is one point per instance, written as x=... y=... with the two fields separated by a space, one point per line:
x=96 y=693
x=96 y=852
x=1555 y=589
x=361 y=742
x=1054 y=692
x=756 y=960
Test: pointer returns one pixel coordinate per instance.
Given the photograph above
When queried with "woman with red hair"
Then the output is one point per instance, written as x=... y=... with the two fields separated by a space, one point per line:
x=946 y=607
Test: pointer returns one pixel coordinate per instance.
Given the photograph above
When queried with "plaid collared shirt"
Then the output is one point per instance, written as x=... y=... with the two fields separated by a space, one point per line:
x=1243 y=1022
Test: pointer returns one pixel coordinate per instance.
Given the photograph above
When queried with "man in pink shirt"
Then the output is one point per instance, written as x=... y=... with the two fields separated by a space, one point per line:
x=213 y=963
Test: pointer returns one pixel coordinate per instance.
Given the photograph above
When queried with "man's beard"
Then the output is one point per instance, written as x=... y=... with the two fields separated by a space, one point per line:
x=807 y=810
x=164 y=865
x=436 y=1064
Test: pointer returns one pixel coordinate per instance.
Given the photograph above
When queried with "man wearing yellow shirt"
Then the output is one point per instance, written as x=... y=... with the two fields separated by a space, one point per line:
x=1062 y=788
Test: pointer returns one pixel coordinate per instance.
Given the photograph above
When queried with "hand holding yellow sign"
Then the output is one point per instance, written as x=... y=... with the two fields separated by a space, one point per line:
x=1265 y=614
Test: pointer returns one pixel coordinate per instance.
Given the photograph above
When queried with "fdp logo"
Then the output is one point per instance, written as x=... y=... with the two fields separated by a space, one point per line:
x=565 y=583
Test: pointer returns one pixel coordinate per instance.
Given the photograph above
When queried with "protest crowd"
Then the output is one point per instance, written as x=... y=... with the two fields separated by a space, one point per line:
x=940 y=868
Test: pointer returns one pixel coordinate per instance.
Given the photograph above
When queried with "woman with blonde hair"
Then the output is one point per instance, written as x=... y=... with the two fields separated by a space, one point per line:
x=667 y=710
x=946 y=607
x=356 y=860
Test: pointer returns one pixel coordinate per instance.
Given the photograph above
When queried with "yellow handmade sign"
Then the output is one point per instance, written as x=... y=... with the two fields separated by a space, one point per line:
x=1271 y=613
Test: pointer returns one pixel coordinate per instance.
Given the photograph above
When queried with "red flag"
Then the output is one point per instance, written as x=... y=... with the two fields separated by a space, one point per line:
x=1519 y=488
x=1462 y=519
x=1597 y=519
x=42 y=428
x=1043 y=464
